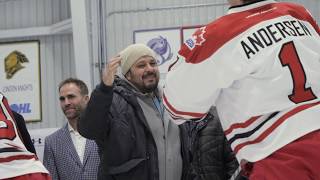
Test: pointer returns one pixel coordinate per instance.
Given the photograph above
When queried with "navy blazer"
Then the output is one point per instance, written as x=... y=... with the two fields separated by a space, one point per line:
x=62 y=161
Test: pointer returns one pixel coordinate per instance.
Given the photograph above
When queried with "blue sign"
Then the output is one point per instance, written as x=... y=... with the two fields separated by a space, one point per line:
x=21 y=108
x=161 y=46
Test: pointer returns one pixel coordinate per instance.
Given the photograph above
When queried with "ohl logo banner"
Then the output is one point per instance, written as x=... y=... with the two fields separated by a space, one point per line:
x=20 y=77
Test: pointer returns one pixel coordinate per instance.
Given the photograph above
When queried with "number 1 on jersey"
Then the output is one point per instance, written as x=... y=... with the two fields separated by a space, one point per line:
x=289 y=57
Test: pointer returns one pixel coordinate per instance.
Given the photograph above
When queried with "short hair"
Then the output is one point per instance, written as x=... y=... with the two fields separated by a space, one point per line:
x=82 y=86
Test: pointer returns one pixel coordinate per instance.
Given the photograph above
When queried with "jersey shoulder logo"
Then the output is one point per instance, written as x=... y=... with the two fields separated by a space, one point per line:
x=197 y=38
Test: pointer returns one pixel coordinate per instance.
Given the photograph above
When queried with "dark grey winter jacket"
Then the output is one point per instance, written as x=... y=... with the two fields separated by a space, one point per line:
x=116 y=121
x=212 y=157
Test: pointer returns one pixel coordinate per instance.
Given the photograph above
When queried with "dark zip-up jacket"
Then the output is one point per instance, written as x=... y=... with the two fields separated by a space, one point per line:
x=116 y=121
x=211 y=154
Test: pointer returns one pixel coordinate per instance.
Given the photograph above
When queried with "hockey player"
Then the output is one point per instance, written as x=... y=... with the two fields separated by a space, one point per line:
x=260 y=66
x=16 y=162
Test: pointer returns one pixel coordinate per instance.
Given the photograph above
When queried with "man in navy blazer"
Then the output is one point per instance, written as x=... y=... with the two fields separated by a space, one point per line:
x=68 y=155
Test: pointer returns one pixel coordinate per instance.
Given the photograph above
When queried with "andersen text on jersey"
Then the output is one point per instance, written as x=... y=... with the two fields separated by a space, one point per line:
x=271 y=34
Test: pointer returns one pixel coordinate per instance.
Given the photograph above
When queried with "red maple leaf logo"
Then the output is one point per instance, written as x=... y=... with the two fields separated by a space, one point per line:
x=198 y=36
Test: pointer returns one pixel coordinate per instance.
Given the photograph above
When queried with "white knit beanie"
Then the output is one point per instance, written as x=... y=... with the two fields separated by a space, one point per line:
x=132 y=53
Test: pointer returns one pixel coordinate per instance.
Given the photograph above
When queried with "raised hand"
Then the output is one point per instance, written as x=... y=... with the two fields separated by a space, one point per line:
x=110 y=70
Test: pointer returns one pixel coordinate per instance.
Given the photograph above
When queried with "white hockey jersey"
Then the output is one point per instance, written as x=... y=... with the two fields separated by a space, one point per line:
x=15 y=160
x=260 y=66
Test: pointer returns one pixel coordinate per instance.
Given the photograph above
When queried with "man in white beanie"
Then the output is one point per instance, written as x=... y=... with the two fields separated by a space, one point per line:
x=126 y=117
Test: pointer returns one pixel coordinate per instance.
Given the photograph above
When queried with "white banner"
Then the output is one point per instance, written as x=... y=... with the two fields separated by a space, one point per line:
x=20 y=77
x=164 y=42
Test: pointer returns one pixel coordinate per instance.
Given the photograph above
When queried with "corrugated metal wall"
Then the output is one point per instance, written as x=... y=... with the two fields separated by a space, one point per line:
x=123 y=17
x=30 y=13
x=56 y=52
x=57 y=63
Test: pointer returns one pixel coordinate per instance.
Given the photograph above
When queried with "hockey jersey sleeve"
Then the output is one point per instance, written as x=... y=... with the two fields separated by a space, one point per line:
x=195 y=80
x=7 y=126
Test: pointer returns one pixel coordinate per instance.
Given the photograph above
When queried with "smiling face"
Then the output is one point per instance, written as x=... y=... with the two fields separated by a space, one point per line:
x=72 y=102
x=144 y=74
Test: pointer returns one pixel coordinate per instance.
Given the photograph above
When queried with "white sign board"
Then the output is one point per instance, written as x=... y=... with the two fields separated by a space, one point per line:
x=20 y=77
x=164 y=42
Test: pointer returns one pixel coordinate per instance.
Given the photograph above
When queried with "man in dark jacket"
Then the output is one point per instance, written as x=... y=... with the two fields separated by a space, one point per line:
x=21 y=125
x=212 y=157
x=125 y=116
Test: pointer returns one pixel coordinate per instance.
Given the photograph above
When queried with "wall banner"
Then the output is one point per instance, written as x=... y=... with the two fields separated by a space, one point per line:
x=166 y=43
x=20 y=77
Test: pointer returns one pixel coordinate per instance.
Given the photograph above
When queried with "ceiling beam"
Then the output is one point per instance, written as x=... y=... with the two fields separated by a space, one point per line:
x=62 y=27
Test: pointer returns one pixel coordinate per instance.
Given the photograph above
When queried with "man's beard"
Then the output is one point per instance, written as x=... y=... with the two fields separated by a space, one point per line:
x=150 y=87
x=76 y=114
